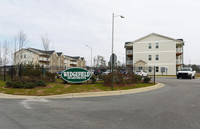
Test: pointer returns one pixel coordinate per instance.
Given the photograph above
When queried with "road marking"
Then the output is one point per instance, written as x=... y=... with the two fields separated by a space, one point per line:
x=26 y=103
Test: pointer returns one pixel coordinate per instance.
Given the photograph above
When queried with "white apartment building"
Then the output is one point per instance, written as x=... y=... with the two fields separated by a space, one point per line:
x=163 y=52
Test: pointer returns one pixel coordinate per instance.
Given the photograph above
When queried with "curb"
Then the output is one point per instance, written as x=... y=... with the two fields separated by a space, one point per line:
x=85 y=94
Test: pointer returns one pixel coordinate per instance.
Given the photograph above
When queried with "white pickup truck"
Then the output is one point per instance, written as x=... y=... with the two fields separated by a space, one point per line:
x=186 y=73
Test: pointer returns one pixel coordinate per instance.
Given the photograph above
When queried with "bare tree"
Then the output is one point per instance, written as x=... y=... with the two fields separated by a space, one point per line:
x=22 y=40
x=5 y=57
x=45 y=42
x=99 y=61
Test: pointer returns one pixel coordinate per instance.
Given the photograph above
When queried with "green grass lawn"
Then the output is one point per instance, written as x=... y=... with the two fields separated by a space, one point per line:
x=59 y=88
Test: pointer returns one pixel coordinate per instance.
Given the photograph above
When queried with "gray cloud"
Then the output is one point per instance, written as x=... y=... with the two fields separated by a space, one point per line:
x=71 y=24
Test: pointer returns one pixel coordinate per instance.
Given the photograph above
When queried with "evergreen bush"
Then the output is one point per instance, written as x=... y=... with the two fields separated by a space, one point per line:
x=147 y=79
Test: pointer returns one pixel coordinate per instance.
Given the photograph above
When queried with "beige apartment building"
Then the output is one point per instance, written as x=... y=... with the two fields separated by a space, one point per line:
x=51 y=60
x=163 y=52
x=74 y=61
x=60 y=61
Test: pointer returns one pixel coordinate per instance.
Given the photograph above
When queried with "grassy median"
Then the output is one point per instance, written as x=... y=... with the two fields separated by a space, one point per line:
x=58 y=87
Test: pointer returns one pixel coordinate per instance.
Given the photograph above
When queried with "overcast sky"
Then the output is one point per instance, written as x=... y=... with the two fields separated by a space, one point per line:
x=71 y=24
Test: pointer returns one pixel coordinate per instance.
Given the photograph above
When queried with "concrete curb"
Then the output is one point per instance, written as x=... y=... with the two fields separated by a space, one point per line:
x=85 y=94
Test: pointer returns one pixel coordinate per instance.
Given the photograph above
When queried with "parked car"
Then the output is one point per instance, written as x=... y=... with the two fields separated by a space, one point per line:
x=123 y=71
x=186 y=73
x=106 y=72
x=141 y=73
x=97 y=72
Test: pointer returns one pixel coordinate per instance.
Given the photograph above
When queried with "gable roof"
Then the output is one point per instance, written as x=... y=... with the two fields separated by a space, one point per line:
x=82 y=58
x=59 y=53
x=179 y=40
x=38 y=51
x=72 y=57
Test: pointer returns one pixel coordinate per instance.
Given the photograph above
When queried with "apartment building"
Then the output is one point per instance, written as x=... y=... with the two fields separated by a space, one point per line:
x=163 y=52
x=60 y=61
x=74 y=61
x=51 y=60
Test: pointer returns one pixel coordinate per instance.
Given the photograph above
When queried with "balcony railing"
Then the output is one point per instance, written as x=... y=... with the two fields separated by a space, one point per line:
x=74 y=63
x=129 y=62
x=178 y=61
x=129 y=52
x=43 y=59
x=179 y=50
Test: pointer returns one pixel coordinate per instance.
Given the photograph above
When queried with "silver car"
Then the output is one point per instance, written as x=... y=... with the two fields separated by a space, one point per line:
x=141 y=73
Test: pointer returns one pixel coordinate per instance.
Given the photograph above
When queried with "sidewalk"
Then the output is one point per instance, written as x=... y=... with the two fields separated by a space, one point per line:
x=85 y=94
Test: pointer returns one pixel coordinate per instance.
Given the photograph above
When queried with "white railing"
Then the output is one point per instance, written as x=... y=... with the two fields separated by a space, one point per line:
x=73 y=63
x=178 y=61
x=129 y=62
x=43 y=59
x=179 y=50
x=129 y=52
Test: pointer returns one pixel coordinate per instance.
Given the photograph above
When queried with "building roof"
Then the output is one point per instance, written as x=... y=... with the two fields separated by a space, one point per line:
x=179 y=40
x=41 y=51
x=59 y=53
x=82 y=58
x=72 y=57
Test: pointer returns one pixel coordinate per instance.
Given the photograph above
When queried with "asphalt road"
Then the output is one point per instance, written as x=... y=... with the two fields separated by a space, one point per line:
x=175 y=106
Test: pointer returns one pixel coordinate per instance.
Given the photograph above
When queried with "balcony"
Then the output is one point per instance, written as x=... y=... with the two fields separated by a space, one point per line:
x=129 y=52
x=73 y=63
x=179 y=51
x=43 y=59
x=179 y=62
x=129 y=62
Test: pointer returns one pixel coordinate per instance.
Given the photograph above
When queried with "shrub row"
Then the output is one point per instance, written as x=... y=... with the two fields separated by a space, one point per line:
x=18 y=84
x=124 y=79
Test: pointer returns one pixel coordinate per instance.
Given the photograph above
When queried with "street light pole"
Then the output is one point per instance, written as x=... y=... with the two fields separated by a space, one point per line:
x=113 y=16
x=91 y=53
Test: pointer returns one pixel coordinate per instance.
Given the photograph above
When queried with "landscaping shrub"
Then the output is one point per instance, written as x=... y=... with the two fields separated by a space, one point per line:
x=137 y=78
x=147 y=79
x=119 y=78
x=100 y=77
x=29 y=85
x=9 y=84
x=17 y=85
x=107 y=79
x=50 y=77
x=31 y=71
x=41 y=83
x=93 y=78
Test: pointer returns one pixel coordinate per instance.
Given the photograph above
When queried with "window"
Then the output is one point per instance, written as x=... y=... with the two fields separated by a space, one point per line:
x=157 y=57
x=21 y=56
x=24 y=55
x=149 y=57
x=150 y=69
x=157 y=69
x=157 y=45
x=149 y=45
x=140 y=67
